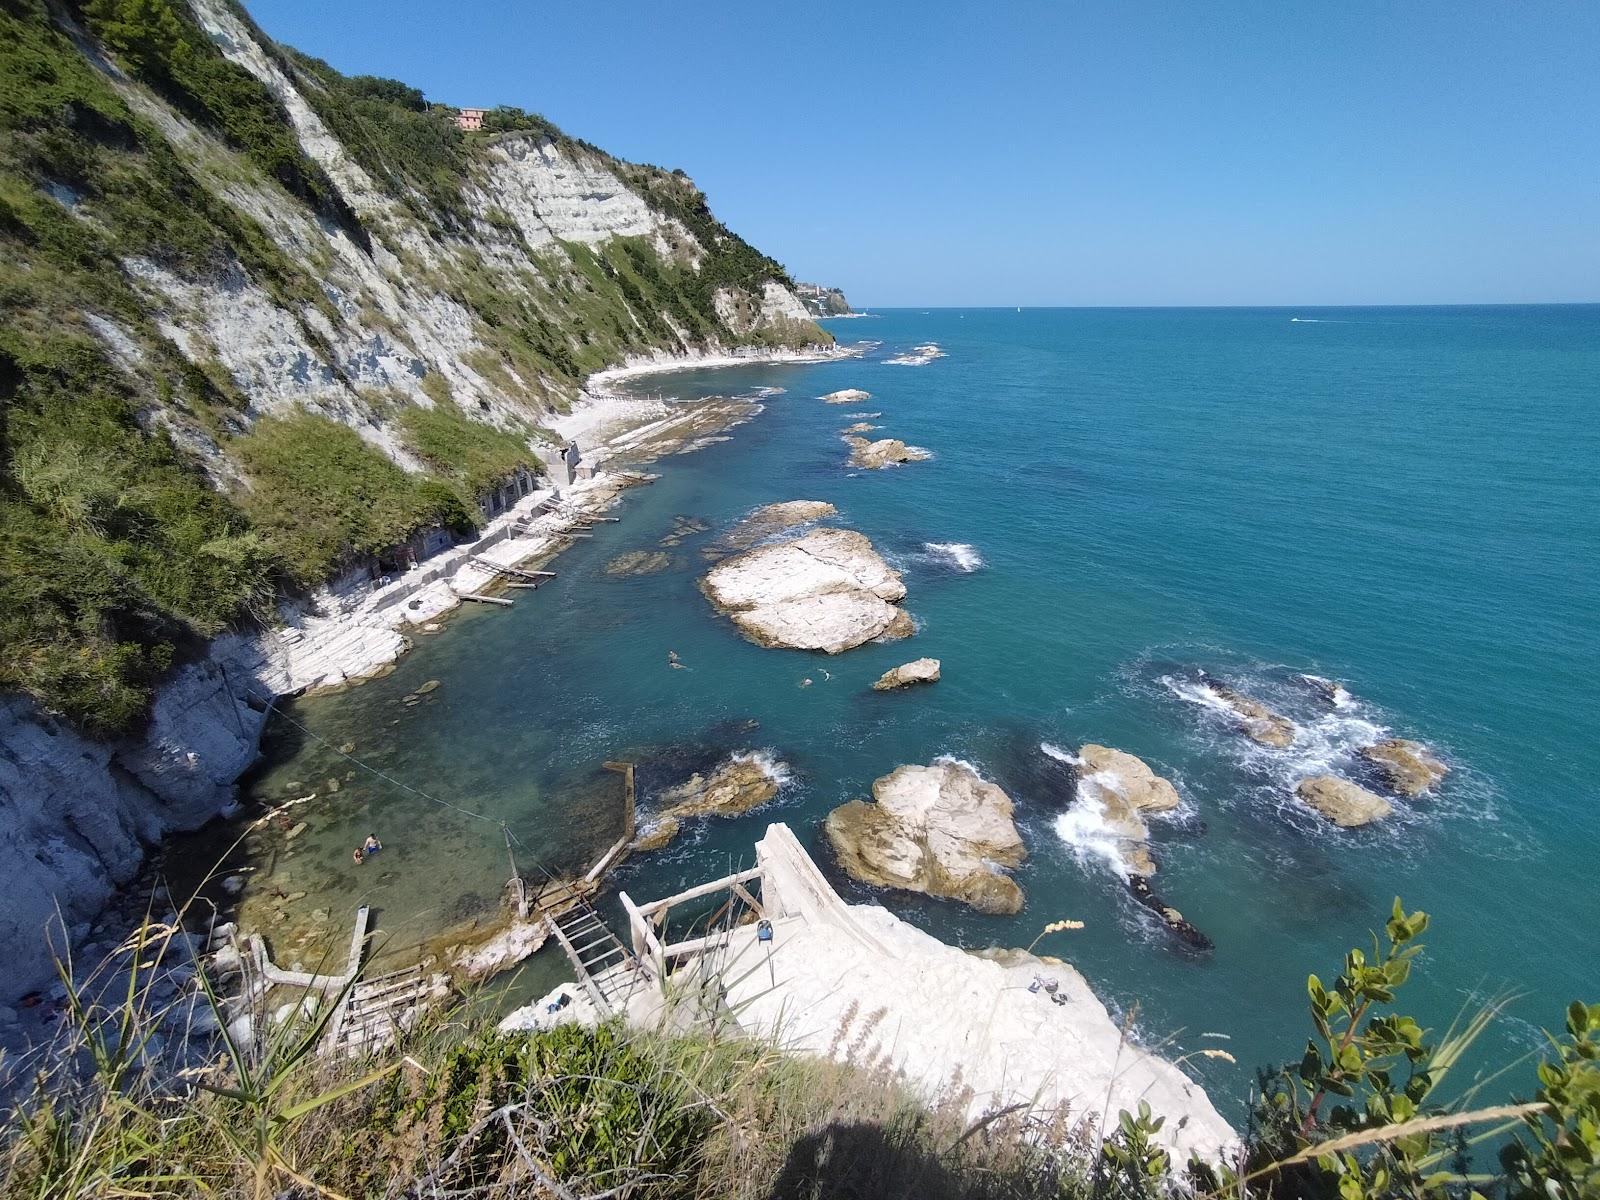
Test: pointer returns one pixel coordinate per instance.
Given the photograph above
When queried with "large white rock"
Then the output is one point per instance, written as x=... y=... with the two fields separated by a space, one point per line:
x=918 y=670
x=941 y=829
x=828 y=590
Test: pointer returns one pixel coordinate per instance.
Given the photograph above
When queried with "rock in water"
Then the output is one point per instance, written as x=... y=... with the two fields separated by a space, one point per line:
x=1342 y=802
x=847 y=396
x=656 y=834
x=1124 y=787
x=858 y=427
x=885 y=452
x=941 y=830
x=1256 y=721
x=920 y=670
x=1408 y=767
x=737 y=786
x=828 y=590
x=743 y=782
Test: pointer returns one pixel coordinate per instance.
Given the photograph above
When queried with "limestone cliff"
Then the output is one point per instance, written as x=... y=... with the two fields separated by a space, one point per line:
x=259 y=321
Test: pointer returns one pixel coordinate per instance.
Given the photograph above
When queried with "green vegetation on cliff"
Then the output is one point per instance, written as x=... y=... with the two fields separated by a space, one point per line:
x=144 y=503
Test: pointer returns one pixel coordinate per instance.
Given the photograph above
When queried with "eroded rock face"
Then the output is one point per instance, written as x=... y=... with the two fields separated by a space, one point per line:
x=847 y=396
x=1344 y=803
x=827 y=590
x=1256 y=721
x=885 y=452
x=1124 y=787
x=920 y=670
x=1408 y=767
x=941 y=829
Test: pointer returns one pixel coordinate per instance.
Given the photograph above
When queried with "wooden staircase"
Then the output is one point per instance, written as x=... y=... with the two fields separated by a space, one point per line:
x=604 y=966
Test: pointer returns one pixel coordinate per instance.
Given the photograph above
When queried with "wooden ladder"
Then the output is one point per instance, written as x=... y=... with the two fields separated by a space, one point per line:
x=595 y=954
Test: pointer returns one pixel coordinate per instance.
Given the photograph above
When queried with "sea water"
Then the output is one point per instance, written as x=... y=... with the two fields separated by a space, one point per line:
x=1402 y=500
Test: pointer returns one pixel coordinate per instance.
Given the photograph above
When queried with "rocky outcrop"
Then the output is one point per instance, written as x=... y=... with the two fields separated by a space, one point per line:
x=1344 y=803
x=737 y=785
x=920 y=670
x=827 y=590
x=1408 y=767
x=1256 y=721
x=1123 y=787
x=858 y=427
x=941 y=830
x=885 y=452
x=847 y=396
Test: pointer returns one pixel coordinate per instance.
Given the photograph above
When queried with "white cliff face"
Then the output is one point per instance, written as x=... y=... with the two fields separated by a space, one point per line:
x=379 y=316
x=553 y=197
x=77 y=816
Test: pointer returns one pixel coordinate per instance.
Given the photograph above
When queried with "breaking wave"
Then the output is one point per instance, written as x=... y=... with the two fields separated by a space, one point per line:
x=963 y=557
x=771 y=765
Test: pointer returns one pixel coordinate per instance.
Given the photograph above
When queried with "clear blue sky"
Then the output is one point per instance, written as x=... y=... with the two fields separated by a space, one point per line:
x=1067 y=151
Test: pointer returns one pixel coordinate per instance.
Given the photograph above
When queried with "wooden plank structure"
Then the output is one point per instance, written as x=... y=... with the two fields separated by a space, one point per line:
x=534 y=577
x=501 y=601
x=601 y=962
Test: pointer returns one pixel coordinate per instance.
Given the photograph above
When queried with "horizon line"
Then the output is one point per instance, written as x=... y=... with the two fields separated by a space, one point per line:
x=1406 y=304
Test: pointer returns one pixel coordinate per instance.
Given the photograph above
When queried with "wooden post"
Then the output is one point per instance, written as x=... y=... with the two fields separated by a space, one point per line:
x=516 y=876
x=629 y=826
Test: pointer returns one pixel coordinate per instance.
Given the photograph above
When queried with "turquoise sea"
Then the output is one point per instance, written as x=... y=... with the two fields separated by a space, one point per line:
x=1406 y=500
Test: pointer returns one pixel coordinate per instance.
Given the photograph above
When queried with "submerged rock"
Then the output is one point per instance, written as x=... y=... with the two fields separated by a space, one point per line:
x=859 y=427
x=847 y=396
x=919 y=670
x=941 y=830
x=1344 y=803
x=1170 y=917
x=885 y=452
x=639 y=562
x=1256 y=721
x=1408 y=767
x=775 y=518
x=828 y=590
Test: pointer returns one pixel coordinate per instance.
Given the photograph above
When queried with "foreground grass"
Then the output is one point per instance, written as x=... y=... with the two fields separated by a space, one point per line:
x=457 y=1109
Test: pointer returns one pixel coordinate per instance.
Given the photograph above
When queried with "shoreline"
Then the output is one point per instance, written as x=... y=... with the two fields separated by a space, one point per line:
x=181 y=772
x=596 y=385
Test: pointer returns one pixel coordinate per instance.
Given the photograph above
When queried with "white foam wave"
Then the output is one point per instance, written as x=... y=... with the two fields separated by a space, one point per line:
x=960 y=555
x=917 y=356
x=1085 y=829
x=773 y=767
x=1060 y=755
x=1338 y=695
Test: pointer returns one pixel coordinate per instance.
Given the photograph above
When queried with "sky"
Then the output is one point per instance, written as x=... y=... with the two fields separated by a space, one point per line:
x=1069 y=152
